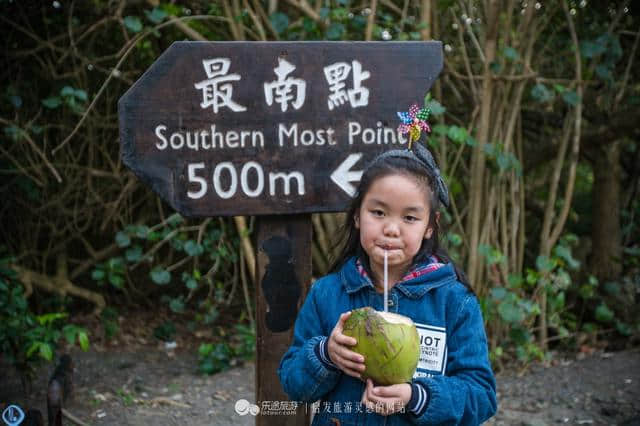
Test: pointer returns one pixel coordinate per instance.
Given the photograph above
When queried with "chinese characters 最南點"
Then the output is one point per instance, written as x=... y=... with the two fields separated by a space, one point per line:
x=286 y=90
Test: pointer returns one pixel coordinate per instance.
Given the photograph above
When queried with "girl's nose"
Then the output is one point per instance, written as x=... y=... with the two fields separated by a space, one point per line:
x=391 y=229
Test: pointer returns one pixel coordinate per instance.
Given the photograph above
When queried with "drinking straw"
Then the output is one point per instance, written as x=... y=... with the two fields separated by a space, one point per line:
x=386 y=279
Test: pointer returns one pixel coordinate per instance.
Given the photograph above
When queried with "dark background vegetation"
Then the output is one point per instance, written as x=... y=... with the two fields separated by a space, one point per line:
x=535 y=125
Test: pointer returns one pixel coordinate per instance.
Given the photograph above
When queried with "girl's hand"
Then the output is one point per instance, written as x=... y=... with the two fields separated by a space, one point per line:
x=351 y=363
x=386 y=400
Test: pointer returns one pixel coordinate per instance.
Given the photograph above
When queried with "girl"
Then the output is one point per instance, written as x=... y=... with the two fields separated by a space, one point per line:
x=395 y=210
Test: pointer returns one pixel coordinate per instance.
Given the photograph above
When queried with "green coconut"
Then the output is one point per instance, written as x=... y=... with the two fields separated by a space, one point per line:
x=389 y=343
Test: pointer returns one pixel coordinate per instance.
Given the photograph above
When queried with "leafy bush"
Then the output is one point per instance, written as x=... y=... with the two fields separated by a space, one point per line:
x=27 y=339
x=216 y=357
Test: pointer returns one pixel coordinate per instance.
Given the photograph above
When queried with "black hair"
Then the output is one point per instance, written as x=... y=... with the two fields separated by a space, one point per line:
x=425 y=173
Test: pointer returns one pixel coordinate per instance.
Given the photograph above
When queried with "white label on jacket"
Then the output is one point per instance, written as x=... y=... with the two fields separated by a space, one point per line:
x=433 y=350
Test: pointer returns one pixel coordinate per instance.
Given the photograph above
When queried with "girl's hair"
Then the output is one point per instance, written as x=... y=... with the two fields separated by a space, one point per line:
x=411 y=167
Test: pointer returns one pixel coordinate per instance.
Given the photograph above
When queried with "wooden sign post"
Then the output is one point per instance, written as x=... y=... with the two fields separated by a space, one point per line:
x=280 y=130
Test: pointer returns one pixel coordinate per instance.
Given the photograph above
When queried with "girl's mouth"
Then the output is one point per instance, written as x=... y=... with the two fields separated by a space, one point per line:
x=387 y=247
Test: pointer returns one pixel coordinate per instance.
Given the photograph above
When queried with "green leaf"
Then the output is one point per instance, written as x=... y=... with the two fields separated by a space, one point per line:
x=191 y=284
x=440 y=129
x=46 y=319
x=624 y=328
x=133 y=254
x=504 y=161
x=570 y=97
x=141 y=231
x=156 y=16
x=603 y=313
x=13 y=132
x=69 y=331
x=498 y=293
x=52 y=102
x=335 y=31
x=454 y=239
x=16 y=101
x=122 y=239
x=279 y=21
x=80 y=94
x=510 y=313
x=133 y=24
x=193 y=249
x=604 y=72
x=541 y=93
x=83 y=340
x=115 y=264
x=544 y=263
x=613 y=288
x=457 y=134
x=175 y=219
x=510 y=53
x=177 y=305
x=514 y=280
x=435 y=107
x=324 y=12
x=45 y=351
x=565 y=253
x=160 y=276
x=339 y=14
x=205 y=349
x=67 y=91
x=590 y=49
x=116 y=280
x=586 y=291
x=559 y=88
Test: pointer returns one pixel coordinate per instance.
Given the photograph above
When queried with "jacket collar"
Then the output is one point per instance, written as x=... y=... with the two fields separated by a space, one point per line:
x=414 y=288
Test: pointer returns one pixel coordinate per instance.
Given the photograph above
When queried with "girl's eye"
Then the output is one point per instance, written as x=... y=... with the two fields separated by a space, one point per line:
x=410 y=218
x=378 y=213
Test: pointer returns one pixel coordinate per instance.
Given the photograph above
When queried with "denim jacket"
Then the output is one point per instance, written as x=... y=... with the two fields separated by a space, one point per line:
x=454 y=367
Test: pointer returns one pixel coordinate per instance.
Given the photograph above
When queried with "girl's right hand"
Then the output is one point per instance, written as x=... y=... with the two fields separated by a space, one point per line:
x=351 y=363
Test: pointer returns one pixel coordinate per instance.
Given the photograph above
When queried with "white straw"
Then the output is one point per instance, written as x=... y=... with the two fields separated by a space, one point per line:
x=386 y=279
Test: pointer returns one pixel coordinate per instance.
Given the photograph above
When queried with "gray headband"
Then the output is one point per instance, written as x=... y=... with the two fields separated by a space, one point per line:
x=424 y=157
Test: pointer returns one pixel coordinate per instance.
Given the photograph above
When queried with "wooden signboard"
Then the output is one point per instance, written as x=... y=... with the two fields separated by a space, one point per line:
x=270 y=129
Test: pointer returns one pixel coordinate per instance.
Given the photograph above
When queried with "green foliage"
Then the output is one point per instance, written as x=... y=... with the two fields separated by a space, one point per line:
x=109 y=320
x=146 y=248
x=26 y=339
x=514 y=304
x=69 y=96
x=279 y=21
x=165 y=332
x=216 y=357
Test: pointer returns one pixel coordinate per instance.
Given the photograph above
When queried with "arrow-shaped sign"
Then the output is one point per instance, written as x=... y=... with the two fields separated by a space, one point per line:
x=343 y=175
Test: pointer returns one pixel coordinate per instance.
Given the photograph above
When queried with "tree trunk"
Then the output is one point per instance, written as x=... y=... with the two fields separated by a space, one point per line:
x=476 y=177
x=606 y=235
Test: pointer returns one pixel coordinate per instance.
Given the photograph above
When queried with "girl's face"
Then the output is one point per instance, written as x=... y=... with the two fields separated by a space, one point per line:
x=394 y=215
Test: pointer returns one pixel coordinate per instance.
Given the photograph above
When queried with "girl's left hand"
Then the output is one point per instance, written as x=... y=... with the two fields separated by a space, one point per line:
x=386 y=400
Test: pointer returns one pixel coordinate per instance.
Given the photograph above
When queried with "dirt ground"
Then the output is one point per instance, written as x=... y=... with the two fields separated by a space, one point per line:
x=153 y=386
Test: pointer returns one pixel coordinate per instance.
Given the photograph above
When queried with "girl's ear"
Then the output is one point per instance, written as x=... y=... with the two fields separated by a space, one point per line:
x=356 y=220
x=428 y=233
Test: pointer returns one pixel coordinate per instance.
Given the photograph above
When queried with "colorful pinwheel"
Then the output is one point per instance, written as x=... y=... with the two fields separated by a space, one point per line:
x=414 y=122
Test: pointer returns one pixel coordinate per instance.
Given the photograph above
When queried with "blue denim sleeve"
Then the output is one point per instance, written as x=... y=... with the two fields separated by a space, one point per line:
x=466 y=395
x=304 y=377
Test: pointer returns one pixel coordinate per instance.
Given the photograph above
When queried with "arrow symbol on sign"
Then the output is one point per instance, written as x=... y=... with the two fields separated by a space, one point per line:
x=343 y=175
